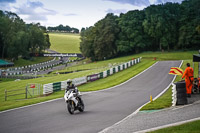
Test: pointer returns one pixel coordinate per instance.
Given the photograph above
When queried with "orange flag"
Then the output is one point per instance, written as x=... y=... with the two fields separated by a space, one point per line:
x=176 y=71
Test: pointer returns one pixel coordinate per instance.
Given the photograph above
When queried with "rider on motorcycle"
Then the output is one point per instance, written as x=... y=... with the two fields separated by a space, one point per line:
x=73 y=98
x=71 y=86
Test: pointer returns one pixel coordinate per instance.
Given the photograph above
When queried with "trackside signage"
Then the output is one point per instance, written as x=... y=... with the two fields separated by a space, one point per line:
x=92 y=77
x=56 y=55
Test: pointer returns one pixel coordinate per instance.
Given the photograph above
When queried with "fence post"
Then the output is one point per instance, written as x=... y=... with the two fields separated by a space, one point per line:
x=39 y=88
x=5 y=95
x=26 y=93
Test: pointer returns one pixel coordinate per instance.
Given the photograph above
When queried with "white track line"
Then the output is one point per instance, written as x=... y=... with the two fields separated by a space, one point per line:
x=131 y=115
x=169 y=125
x=168 y=85
x=83 y=93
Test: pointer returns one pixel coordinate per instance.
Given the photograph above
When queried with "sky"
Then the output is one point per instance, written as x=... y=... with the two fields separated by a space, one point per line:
x=74 y=13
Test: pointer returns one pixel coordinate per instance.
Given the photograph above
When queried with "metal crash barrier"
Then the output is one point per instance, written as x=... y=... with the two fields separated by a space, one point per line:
x=52 y=87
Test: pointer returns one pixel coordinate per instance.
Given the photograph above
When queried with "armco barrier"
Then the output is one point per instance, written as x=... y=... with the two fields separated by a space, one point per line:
x=108 y=72
x=93 y=77
x=123 y=66
x=101 y=75
x=105 y=74
x=114 y=71
x=111 y=71
x=57 y=86
x=47 y=89
x=119 y=68
x=79 y=81
x=50 y=88
x=63 y=85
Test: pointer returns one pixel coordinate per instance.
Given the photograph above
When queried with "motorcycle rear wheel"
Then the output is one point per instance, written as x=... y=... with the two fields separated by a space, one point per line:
x=81 y=106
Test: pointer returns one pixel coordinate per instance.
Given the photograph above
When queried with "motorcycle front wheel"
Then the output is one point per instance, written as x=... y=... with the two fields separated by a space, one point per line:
x=71 y=107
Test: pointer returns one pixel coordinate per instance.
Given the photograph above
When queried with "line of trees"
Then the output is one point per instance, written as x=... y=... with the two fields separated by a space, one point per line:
x=62 y=28
x=18 y=39
x=169 y=26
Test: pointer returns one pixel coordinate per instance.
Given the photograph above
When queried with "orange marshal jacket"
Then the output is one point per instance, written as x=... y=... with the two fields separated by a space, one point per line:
x=188 y=75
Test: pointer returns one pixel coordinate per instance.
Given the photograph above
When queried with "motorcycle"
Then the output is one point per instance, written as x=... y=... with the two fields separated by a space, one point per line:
x=73 y=100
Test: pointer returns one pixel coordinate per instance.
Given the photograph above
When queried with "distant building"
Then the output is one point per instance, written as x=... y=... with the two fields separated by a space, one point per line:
x=4 y=63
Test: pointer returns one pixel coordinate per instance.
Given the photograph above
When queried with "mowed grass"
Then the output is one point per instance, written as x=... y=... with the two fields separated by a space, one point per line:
x=191 y=127
x=65 y=42
x=146 y=55
x=180 y=55
x=100 y=65
x=93 y=86
x=97 y=85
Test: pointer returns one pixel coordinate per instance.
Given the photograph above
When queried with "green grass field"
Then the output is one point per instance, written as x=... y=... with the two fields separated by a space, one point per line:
x=180 y=55
x=65 y=42
x=115 y=79
x=97 y=85
x=191 y=127
x=147 y=55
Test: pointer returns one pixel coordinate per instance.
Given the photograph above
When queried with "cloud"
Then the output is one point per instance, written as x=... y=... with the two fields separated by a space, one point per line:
x=35 y=4
x=7 y=1
x=5 y=4
x=143 y=2
x=117 y=11
x=70 y=14
x=34 y=11
x=35 y=17
x=132 y=2
x=164 y=1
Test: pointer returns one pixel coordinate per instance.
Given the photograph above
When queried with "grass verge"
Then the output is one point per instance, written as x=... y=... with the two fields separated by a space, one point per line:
x=191 y=127
x=93 y=86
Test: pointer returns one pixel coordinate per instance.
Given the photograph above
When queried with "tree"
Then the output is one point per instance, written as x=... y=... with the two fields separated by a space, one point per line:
x=190 y=20
x=37 y=39
x=18 y=39
x=99 y=42
x=168 y=26
x=106 y=36
x=131 y=37
x=62 y=28
x=87 y=43
x=83 y=29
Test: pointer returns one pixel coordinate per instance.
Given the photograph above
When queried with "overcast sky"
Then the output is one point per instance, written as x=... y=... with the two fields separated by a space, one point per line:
x=75 y=13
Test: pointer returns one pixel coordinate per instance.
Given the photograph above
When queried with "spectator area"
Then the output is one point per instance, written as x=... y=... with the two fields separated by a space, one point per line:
x=4 y=63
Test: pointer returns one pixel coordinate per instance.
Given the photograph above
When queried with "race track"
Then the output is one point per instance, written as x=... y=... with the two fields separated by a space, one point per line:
x=103 y=108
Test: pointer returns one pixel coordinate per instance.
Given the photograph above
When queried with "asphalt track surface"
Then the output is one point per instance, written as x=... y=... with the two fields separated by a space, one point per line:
x=147 y=121
x=102 y=109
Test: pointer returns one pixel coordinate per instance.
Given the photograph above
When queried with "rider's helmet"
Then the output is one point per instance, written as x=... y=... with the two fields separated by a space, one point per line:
x=69 y=82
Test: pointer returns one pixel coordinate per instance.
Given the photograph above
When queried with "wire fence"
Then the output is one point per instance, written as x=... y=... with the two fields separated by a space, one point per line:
x=31 y=90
